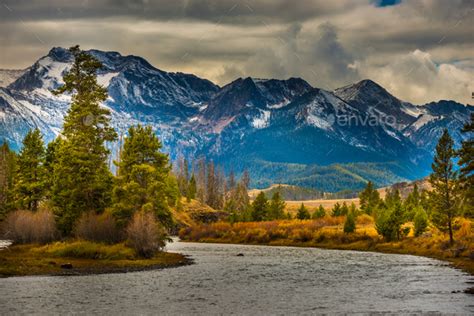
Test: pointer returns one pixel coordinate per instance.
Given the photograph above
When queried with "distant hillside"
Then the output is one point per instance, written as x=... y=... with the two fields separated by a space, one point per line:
x=406 y=188
x=296 y=193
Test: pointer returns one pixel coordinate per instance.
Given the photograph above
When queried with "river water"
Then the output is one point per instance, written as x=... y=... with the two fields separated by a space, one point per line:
x=265 y=280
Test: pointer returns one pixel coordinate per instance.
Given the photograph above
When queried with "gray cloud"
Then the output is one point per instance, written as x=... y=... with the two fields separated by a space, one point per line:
x=327 y=43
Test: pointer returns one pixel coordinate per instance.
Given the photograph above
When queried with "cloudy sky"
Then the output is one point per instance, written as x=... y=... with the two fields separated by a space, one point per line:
x=419 y=50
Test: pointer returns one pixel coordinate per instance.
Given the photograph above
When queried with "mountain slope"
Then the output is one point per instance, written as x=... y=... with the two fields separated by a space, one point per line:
x=282 y=130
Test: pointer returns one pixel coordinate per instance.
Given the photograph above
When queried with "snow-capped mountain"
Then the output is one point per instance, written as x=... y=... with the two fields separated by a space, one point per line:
x=283 y=130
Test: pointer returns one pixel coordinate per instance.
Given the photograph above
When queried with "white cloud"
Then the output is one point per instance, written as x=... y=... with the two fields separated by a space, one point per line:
x=415 y=77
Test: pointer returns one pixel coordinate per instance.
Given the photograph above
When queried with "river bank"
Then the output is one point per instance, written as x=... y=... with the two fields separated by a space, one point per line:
x=80 y=259
x=265 y=280
x=329 y=235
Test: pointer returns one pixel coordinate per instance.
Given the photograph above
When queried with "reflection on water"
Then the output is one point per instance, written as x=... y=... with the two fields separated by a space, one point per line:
x=265 y=280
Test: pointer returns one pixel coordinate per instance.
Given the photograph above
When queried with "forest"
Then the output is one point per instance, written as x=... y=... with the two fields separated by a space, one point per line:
x=64 y=197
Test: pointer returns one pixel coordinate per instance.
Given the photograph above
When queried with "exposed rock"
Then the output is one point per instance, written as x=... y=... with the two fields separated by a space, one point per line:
x=66 y=266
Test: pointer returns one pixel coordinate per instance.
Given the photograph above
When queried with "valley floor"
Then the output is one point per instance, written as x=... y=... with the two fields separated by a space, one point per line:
x=328 y=233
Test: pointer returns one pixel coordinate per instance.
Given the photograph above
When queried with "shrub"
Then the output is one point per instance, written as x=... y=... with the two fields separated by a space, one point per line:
x=145 y=235
x=364 y=219
x=421 y=221
x=99 y=228
x=30 y=227
x=465 y=228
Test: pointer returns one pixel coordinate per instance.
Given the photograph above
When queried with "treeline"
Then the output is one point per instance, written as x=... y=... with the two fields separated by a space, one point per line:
x=70 y=178
x=296 y=193
x=206 y=182
x=451 y=195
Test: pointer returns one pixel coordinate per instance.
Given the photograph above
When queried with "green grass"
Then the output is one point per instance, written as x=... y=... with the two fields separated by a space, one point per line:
x=87 y=250
x=86 y=258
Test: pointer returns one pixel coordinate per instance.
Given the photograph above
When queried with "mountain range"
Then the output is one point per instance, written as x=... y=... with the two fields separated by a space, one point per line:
x=283 y=131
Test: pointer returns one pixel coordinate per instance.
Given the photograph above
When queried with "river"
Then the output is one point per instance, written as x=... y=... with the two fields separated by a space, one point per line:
x=265 y=280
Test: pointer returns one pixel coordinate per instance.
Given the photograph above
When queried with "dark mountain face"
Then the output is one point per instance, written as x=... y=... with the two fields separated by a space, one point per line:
x=371 y=98
x=282 y=130
x=246 y=95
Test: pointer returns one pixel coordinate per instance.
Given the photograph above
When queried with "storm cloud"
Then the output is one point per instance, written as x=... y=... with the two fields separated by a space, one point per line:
x=419 y=50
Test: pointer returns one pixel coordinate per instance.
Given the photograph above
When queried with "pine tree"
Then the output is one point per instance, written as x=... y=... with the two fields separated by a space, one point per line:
x=353 y=208
x=201 y=180
x=412 y=202
x=336 y=210
x=466 y=162
x=420 y=220
x=246 y=179
x=444 y=179
x=238 y=203
x=82 y=180
x=350 y=224
x=212 y=198
x=319 y=212
x=344 y=209
x=191 y=193
x=259 y=207
x=276 y=207
x=30 y=174
x=231 y=182
x=389 y=221
x=143 y=182
x=7 y=176
x=369 y=199
x=302 y=213
x=392 y=197
x=50 y=158
x=182 y=175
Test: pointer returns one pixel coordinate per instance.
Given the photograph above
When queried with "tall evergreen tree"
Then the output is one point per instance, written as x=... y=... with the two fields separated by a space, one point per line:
x=201 y=180
x=444 y=179
x=191 y=193
x=7 y=176
x=231 y=183
x=82 y=180
x=50 y=158
x=245 y=179
x=276 y=207
x=143 y=182
x=389 y=221
x=466 y=162
x=212 y=189
x=412 y=202
x=259 y=207
x=369 y=199
x=421 y=221
x=30 y=174
x=392 y=198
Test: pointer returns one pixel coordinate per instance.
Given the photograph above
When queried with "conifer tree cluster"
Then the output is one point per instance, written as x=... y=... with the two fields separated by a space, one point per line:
x=8 y=169
x=266 y=210
x=208 y=183
x=451 y=194
x=71 y=175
